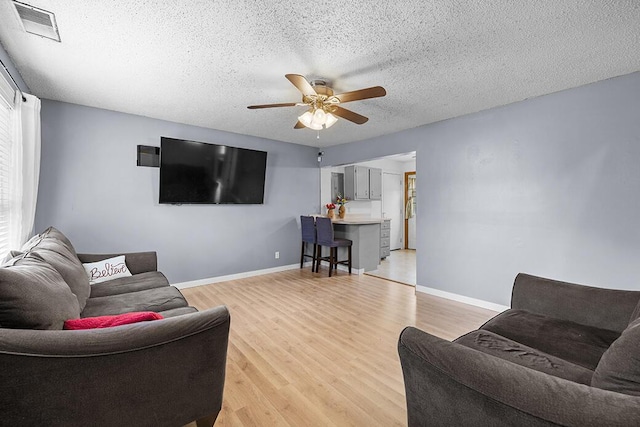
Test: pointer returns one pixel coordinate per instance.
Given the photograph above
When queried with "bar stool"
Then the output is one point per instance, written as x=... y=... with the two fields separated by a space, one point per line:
x=324 y=229
x=308 y=228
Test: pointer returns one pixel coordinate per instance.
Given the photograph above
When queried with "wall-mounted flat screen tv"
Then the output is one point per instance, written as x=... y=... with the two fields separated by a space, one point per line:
x=199 y=173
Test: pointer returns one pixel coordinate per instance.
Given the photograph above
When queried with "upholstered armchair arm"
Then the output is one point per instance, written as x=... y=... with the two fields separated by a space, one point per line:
x=450 y=384
x=162 y=373
x=602 y=308
x=137 y=262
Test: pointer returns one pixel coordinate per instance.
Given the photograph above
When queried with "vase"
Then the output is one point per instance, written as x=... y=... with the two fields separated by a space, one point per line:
x=342 y=211
x=330 y=213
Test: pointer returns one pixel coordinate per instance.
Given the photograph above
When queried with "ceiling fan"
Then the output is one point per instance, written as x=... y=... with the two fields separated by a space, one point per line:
x=323 y=104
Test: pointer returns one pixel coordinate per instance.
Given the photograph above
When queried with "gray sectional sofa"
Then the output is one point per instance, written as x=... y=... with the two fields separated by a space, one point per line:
x=166 y=372
x=564 y=354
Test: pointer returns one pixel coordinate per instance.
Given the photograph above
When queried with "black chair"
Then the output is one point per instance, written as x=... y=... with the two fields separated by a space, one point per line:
x=324 y=229
x=308 y=236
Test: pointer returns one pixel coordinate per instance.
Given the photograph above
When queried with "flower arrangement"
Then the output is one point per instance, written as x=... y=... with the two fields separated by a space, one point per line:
x=330 y=207
x=340 y=200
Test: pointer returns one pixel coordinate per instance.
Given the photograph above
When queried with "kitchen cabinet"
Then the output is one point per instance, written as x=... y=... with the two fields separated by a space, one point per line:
x=362 y=183
x=385 y=237
x=375 y=184
x=366 y=246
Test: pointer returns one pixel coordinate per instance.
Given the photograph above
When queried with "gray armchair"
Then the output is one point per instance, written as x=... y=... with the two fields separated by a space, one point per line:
x=486 y=379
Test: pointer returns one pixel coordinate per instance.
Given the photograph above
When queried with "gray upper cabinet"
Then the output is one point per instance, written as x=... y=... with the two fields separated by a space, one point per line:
x=375 y=184
x=362 y=183
x=356 y=183
x=361 y=175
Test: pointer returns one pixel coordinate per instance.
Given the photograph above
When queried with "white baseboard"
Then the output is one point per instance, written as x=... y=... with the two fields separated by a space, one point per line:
x=358 y=271
x=201 y=282
x=461 y=298
x=210 y=280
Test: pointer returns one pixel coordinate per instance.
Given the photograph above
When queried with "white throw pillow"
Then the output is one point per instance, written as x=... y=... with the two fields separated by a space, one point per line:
x=107 y=269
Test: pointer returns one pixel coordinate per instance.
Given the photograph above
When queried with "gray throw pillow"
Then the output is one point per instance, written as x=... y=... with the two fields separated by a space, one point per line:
x=58 y=251
x=54 y=233
x=68 y=265
x=31 y=243
x=33 y=295
x=619 y=367
x=8 y=259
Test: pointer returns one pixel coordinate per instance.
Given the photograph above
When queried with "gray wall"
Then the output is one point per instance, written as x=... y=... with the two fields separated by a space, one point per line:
x=91 y=189
x=548 y=186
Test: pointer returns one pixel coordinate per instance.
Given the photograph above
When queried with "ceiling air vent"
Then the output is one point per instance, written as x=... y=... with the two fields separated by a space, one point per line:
x=37 y=21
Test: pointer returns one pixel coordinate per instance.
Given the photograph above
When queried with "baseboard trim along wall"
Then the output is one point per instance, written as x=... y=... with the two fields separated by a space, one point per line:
x=358 y=271
x=210 y=280
x=461 y=298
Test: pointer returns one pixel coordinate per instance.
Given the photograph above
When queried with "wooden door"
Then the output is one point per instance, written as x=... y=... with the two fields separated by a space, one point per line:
x=410 y=206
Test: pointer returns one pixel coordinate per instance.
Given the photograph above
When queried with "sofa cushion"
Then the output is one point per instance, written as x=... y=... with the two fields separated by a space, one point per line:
x=506 y=349
x=33 y=295
x=585 y=305
x=107 y=269
x=60 y=257
x=157 y=300
x=135 y=283
x=619 y=368
x=178 y=311
x=578 y=344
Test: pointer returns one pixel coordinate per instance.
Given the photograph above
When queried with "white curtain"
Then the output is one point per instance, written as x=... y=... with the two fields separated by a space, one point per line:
x=25 y=168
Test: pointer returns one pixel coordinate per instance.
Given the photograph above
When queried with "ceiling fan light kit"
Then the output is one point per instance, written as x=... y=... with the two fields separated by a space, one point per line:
x=324 y=105
x=317 y=119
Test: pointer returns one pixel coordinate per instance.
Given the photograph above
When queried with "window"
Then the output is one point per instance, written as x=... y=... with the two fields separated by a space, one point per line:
x=6 y=205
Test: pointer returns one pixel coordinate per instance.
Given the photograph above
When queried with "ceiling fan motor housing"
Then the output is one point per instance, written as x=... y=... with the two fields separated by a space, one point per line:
x=323 y=100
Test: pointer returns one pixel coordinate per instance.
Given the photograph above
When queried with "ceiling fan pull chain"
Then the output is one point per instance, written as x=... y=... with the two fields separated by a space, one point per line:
x=318 y=137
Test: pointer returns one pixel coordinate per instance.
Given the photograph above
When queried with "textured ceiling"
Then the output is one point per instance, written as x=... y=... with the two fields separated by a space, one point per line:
x=203 y=62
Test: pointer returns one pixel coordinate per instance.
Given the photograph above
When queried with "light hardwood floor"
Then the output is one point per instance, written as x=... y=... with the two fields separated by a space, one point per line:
x=307 y=350
x=399 y=266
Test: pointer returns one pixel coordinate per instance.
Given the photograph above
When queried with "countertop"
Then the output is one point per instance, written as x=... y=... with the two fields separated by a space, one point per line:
x=356 y=220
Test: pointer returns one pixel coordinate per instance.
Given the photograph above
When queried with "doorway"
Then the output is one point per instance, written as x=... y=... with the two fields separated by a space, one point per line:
x=400 y=265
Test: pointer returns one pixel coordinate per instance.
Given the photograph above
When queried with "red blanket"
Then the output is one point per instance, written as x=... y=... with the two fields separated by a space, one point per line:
x=109 y=321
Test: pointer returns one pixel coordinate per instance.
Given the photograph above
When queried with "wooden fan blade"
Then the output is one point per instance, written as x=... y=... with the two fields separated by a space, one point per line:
x=299 y=125
x=356 y=95
x=302 y=84
x=287 y=104
x=350 y=115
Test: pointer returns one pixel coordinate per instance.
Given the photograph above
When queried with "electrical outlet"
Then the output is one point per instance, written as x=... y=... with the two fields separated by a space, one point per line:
x=277 y=255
